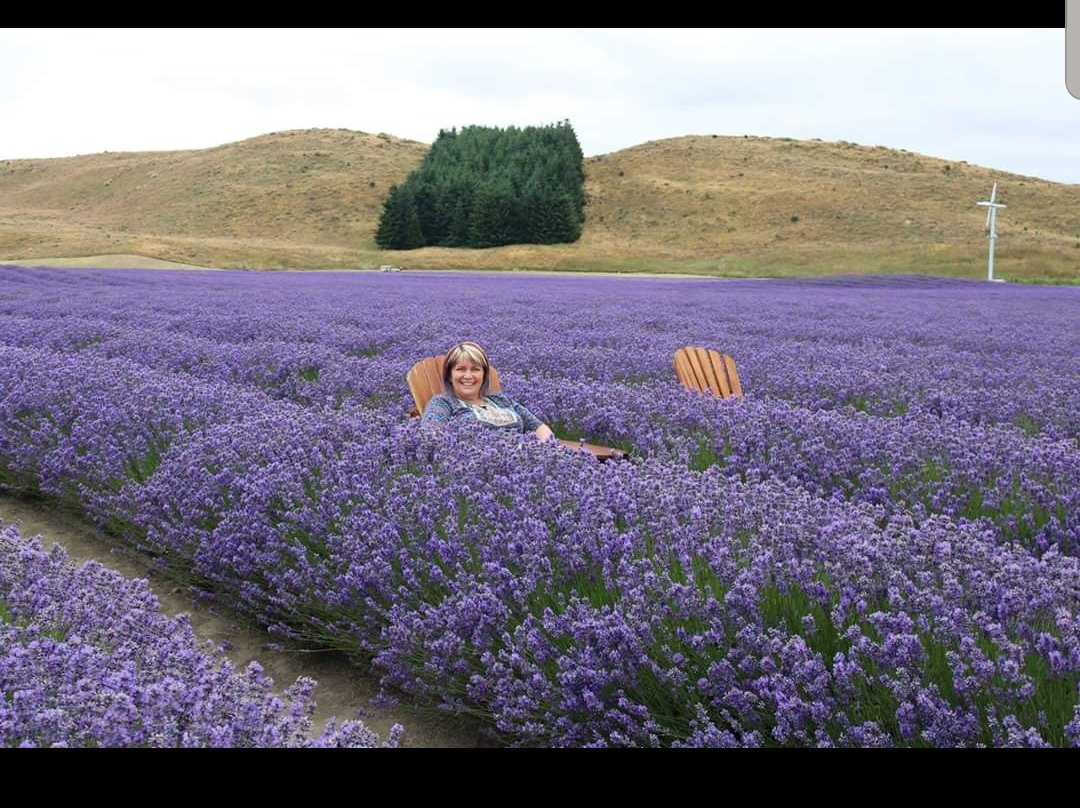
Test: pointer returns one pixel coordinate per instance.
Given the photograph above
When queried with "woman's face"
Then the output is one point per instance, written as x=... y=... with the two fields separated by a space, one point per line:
x=466 y=377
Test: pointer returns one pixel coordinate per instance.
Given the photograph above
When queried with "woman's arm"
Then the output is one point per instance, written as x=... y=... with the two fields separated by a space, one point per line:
x=437 y=411
x=530 y=423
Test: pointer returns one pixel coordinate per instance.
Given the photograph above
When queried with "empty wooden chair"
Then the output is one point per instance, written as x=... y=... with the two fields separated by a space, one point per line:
x=707 y=371
x=425 y=381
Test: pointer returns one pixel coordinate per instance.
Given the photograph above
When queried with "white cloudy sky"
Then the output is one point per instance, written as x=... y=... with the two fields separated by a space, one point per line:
x=993 y=97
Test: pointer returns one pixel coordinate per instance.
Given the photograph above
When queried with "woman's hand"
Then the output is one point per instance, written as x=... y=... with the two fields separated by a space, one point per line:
x=543 y=433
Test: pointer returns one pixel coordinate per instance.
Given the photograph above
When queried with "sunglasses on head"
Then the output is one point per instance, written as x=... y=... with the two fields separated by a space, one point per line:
x=463 y=345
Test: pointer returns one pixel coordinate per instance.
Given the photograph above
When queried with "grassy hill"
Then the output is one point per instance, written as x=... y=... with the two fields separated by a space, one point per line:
x=740 y=206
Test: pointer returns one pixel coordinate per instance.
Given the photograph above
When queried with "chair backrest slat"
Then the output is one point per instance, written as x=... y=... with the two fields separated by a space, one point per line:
x=715 y=375
x=433 y=376
x=718 y=363
x=683 y=371
x=425 y=380
x=733 y=376
x=707 y=371
x=698 y=377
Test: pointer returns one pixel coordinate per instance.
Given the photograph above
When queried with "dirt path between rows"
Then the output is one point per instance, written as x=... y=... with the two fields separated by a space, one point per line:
x=343 y=689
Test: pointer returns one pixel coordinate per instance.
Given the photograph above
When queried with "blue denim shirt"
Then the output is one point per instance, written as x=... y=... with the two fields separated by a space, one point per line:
x=442 y=407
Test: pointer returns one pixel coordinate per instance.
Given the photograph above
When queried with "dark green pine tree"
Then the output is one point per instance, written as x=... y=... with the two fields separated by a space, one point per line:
x=484 y=221
x=413 y=235
x=540 y=214
x=392 y=222
x=459 y=222
x=399 y=227
x=568 y=218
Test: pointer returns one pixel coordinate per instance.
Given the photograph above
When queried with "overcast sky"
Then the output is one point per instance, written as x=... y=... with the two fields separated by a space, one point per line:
x=992 y=97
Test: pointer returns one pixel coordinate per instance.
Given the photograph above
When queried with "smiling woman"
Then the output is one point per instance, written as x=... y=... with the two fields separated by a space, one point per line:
x=466 y=375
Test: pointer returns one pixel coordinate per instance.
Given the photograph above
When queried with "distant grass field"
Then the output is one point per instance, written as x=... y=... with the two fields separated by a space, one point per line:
x=106 y=262
x=734 y=206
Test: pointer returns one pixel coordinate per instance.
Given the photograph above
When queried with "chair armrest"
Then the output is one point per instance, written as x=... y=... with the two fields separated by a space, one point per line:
x=600 y=452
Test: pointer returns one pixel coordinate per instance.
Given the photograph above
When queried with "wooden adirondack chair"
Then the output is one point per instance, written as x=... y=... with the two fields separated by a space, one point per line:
x=425 y=380
x=707 y=371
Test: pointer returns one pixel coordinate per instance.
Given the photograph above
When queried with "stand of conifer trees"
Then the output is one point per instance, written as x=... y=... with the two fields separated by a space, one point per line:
x=484 y=187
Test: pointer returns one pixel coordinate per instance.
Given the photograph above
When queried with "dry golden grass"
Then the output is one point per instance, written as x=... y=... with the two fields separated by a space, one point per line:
x=739 y=206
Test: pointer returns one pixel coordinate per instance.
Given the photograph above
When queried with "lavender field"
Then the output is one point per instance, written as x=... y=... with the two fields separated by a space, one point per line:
x=878 y=545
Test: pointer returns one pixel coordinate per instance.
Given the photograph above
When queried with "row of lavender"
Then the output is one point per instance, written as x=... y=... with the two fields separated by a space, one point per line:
x=73 y=417
x=87 y=659
x=645 y=603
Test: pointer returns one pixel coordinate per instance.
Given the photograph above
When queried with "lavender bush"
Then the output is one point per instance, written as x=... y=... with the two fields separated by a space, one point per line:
x=87 y=659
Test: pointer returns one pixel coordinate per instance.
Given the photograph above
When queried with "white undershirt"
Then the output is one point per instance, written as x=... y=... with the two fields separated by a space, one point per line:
x=490 y=413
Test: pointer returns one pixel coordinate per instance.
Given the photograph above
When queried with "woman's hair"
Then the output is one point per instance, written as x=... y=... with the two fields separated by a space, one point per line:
x=472 y=352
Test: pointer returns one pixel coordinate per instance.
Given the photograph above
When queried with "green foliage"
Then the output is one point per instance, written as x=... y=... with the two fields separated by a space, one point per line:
x=486 y=187
x=1028 y=424
x=399 y=227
